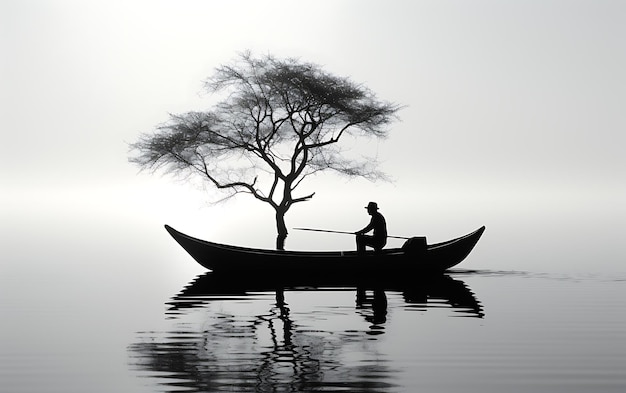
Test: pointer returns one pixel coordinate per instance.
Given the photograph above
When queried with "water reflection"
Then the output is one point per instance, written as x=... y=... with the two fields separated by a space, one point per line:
x=428 y=292
x=373 y=308
x=247 y=338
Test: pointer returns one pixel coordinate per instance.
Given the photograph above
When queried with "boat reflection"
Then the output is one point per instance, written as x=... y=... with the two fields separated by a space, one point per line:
x=428 y=292
x=275 y=348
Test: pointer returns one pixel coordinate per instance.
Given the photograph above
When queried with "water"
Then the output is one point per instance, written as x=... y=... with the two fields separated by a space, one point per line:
x=477 y=331
x=94 y=307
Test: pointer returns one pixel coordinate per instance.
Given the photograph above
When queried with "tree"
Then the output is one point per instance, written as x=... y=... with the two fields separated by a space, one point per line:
x=279 y=121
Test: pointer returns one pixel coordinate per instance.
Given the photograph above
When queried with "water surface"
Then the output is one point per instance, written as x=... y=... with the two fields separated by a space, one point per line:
x=471 y=331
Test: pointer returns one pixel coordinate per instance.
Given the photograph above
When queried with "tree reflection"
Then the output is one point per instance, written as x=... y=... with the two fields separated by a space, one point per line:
x=287 y=364
x=269 y=351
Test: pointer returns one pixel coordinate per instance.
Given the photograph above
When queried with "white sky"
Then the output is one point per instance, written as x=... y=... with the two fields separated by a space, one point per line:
x=508 y=103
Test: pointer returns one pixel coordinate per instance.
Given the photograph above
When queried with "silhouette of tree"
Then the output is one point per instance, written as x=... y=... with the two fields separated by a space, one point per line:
x=280 y=121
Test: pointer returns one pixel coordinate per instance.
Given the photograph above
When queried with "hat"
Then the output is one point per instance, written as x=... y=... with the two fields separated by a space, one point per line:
x=372 y=205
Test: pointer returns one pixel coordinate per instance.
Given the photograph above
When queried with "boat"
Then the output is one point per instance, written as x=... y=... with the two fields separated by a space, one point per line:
x=415 y=256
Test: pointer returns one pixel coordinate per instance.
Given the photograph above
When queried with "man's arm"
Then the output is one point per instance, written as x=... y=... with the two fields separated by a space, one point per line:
x=368 y=228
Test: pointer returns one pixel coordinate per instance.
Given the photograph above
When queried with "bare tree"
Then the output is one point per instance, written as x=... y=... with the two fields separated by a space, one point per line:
x=280 y=121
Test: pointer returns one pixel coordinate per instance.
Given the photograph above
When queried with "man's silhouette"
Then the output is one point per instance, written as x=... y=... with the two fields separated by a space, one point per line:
x=379 y=238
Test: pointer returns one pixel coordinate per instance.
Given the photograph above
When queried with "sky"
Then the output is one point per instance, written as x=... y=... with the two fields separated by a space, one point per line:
x=512 y=110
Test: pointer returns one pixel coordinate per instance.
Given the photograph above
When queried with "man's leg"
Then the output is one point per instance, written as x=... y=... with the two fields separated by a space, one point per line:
x=362 y=241
x=378 y=245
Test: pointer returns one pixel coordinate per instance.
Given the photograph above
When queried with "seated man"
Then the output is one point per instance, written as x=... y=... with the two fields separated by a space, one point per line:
x=379 y=238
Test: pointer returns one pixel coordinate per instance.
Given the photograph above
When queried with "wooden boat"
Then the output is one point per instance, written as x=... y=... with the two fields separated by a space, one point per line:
x=415 y=256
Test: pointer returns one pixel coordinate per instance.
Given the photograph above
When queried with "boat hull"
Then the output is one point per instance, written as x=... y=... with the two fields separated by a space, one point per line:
x=435 y=258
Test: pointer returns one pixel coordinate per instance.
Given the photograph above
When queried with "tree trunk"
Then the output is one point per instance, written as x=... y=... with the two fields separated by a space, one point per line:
x=281 y=229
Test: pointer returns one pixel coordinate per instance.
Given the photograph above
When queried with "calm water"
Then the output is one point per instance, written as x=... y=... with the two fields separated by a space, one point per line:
x=117 y=314
x=473 y=331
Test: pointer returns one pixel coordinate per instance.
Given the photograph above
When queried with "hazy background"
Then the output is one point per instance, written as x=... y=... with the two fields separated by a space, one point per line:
x=514 y=119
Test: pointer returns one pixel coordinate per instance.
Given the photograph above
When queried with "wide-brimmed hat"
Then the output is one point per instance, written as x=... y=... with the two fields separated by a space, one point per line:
x=372 y=205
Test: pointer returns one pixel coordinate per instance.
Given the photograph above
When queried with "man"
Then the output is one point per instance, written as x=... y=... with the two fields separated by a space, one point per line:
x=379 y=238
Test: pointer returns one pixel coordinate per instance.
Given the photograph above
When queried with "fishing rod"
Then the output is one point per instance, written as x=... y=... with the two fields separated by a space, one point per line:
x=344 y=232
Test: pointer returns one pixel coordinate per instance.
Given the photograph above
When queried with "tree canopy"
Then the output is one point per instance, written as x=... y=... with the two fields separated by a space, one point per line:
x=278 y=122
